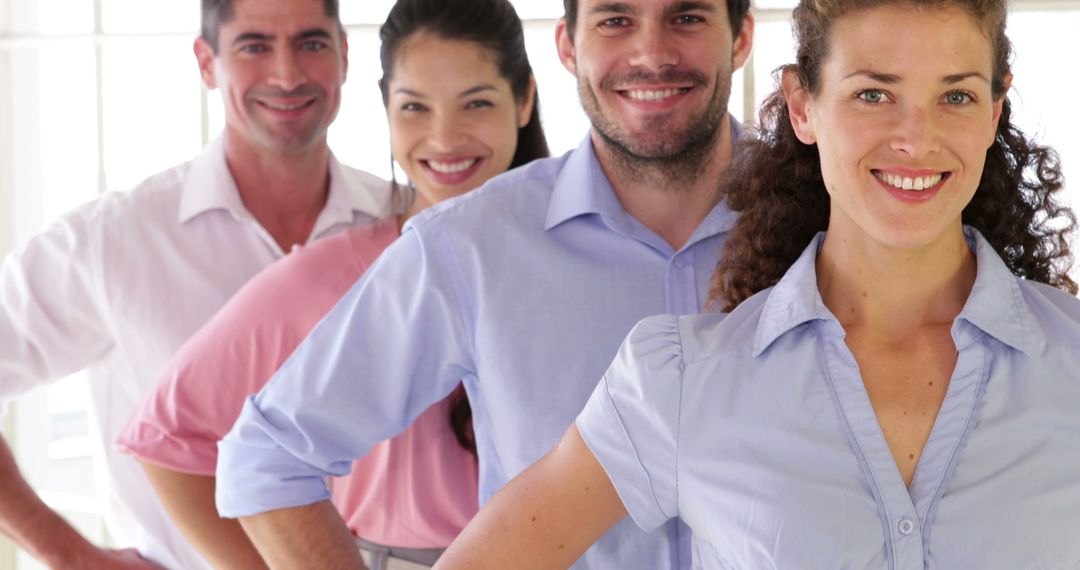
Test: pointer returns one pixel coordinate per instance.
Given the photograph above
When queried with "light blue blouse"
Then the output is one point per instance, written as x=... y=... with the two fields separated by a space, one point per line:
x=522 y=290
x=756 y=430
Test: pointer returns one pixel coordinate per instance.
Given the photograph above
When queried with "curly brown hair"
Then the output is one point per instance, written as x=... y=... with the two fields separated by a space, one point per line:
x=775 y=183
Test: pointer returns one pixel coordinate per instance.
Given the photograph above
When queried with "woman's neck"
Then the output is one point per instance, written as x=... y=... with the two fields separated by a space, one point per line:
x=895 y=291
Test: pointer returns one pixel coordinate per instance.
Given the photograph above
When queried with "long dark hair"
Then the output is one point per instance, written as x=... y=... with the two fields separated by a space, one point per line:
x=494 y=25
x=775 y=181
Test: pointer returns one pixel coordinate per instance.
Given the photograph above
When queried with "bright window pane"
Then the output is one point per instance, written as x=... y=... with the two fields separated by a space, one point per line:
x=152 y=114
x=1043 y=89
x=359 y=135
x=364 y=11
x=535 y=9
x=565 y=123
x=149 y=16
x=55 y=162
x=48 y=17
x=773 y=4
x=773 y=47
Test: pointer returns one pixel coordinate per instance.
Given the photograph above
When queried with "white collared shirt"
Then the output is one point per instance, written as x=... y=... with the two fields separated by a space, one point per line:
x=116 y=287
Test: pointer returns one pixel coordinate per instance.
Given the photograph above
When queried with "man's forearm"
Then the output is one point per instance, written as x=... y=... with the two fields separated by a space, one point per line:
x=189 y=500
x=311 y=536
x=30 y=523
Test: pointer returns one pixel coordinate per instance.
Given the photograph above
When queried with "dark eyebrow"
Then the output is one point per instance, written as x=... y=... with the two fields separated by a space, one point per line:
x=886 y=78
x=409 y=92
x=890 y=79
x=477 y=89
x=958 y=77
x=314 y=33
x=261 y=37
x=465 y=93
x=252 y=37
x=613 y=7
x=690 y=6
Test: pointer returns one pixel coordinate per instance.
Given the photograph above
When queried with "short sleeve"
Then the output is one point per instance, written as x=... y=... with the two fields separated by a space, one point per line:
x=204 y=387
x=630 y=422
x=393 y=346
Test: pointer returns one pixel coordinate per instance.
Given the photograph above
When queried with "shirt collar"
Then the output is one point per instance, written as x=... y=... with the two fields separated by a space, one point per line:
x=996 y=305
x=210 y=186
x=570 y=200
x=793 y=301
x=582 y=188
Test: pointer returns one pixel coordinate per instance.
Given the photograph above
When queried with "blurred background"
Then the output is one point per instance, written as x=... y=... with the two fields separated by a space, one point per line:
x=96 y=95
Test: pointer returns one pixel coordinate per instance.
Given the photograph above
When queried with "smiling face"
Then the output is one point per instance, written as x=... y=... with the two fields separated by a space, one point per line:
x=453 y=119
x=280 y=66
x=654 y=75
x=902 y=121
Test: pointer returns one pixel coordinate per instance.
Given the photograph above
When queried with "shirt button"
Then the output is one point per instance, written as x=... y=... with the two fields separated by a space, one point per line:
x=680 y=262
x=906 y=526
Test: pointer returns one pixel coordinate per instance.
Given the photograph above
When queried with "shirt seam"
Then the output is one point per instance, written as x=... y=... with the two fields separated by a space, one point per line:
x=634 y=448
x=465 y=301
x=678 y=412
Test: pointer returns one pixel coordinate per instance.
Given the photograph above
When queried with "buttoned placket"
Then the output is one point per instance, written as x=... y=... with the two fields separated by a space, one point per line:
x=681 y=283
x=906 y=514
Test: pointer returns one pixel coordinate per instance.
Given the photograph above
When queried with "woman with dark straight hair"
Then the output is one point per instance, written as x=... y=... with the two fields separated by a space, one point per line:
x=900 y=393
x=461 y=103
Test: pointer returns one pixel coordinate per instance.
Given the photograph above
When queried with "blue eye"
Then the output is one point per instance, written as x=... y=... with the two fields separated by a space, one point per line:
x=959 y=98
x=873 y=96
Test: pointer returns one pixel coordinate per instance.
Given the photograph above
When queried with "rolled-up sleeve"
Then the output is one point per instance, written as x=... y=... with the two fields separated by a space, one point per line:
x=395 y=344
x=630 y=422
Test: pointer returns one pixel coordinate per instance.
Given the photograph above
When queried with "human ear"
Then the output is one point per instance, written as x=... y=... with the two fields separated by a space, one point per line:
x=998 y=105
x=743 y=43
x=344 y=56
x=204 y=54
x=798 y=105
x=525 y=109
x=565 y=45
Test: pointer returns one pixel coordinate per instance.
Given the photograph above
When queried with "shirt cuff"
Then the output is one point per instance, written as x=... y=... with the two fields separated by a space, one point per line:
x=255 y=475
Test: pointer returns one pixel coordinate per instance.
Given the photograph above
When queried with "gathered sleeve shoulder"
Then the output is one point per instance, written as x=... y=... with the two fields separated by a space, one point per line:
x=631 y=421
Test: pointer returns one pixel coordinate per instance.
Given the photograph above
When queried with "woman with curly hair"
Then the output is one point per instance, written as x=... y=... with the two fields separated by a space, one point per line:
x=900 y=393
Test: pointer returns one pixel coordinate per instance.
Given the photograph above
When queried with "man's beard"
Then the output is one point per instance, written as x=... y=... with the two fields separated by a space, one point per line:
x=669 y=153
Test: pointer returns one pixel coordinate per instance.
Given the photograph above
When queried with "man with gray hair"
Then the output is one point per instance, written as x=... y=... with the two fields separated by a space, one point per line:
x=116 y=286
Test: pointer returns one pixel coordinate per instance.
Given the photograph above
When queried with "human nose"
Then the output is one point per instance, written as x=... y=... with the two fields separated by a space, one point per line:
x=447 y=133
x=287 y=73
x=917 y=134
x=653 y=48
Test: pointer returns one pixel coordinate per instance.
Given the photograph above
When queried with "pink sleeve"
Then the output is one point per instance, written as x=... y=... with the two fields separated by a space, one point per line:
x=200 y=395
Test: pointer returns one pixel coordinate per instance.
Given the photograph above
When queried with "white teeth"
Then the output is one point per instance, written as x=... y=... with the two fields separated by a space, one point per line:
x=451 y=167
x=904 y=183
x=642 y=95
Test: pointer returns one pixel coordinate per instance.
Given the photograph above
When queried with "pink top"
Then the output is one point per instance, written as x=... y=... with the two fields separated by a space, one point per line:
x=417 y=490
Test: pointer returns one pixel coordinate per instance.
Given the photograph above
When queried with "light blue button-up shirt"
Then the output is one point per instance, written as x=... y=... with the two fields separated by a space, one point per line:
x=521 y=289
x=757 y=431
